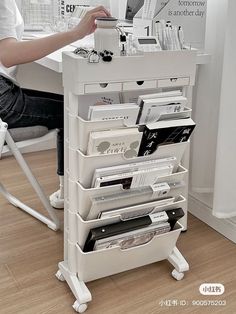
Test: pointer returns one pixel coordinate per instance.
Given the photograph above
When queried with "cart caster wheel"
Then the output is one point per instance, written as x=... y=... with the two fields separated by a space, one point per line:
x=60 y=276
x=80 y=308
x=178 y=276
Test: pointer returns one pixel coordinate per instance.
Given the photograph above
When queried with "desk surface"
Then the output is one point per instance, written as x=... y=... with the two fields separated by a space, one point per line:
x=54 y=60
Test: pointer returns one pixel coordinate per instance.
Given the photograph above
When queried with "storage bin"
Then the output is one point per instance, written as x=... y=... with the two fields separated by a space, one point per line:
x=103 y=263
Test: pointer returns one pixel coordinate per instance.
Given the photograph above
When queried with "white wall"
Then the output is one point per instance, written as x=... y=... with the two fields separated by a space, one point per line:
x=206 y=104
x=225 y=181
x=105 y=3
x=214 y=145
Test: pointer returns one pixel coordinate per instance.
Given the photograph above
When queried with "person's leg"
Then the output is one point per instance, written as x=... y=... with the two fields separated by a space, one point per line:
x=56 y=101
x=57 y=198
x=22 y=108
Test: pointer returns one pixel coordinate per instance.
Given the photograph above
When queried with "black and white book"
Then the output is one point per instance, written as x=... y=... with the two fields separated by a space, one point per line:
x=114 y=170
x=136 y=211
x=133 y=238
x=126 y=112
x=126 y=141
x=144 y=97
x=165 y=133
x=126 y=198
x=122 y=227
x=153 y=109
x=99 y=99
x=147 y=97
x=135 y=179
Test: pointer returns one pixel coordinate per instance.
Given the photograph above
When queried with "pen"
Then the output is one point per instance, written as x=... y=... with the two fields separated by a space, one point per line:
x=176 y=38
x=181 y=37
x=159 y=33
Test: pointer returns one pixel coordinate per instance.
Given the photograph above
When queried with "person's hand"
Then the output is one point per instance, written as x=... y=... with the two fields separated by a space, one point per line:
x=87 y=24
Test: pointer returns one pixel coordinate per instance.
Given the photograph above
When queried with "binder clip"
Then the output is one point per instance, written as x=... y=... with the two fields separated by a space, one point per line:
x=82 y=52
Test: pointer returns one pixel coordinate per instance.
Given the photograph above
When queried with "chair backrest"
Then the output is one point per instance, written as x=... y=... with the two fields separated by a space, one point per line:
x=3 y=131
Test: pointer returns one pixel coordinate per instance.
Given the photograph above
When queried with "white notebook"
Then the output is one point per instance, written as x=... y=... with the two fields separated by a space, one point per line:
x=127 y=112
x=126 y=141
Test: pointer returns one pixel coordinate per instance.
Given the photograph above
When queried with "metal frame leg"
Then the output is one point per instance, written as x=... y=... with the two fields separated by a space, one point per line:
x=179 y=262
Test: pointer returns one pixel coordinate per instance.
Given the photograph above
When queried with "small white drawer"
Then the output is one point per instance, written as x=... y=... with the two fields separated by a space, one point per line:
x=139 y=85
x=102 y=87
x=172 y=82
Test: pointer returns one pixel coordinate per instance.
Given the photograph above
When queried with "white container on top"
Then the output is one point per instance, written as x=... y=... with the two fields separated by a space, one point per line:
x=107 y=35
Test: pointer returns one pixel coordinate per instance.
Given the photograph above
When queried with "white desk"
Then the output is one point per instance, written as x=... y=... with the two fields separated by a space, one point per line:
x=46 y=73
x=54 y=60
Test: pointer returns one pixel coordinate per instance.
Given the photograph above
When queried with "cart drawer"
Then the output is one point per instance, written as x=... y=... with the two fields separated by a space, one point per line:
x=139 y=85
x=102 y=87
x=172 y=82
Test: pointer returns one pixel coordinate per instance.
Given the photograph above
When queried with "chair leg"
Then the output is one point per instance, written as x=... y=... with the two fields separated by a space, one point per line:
x=54 y=223
x=17 y=203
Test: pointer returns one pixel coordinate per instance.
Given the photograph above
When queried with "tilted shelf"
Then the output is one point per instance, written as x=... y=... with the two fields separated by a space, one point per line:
x=79 y=129
x=80 y=197
x=79 y=228
x=82 y=167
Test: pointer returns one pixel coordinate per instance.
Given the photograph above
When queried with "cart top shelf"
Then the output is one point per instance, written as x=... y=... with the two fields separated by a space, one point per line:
x=81 y=77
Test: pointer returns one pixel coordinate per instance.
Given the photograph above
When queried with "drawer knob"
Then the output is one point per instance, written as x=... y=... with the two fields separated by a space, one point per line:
x=103 y=85
x=140 y=83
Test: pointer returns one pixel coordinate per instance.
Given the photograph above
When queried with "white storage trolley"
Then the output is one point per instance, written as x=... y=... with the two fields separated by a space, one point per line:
x=164 y=69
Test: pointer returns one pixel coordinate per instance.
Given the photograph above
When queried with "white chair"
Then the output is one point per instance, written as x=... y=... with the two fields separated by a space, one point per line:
x=52 y=223
x=31 y=139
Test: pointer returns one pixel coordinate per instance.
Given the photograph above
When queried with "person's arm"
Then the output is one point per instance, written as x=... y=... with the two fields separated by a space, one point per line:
x=13 y=52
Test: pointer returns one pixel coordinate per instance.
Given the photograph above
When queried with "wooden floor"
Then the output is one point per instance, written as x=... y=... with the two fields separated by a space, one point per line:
x=29 y=253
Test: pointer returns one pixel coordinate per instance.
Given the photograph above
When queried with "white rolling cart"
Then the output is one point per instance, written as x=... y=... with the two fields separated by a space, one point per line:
x=164 y=69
